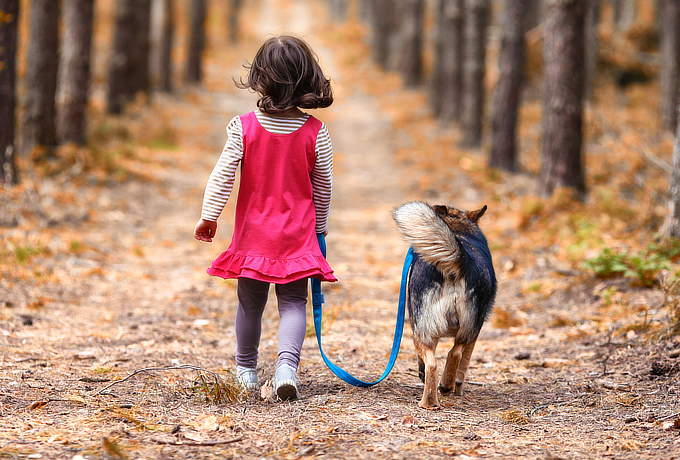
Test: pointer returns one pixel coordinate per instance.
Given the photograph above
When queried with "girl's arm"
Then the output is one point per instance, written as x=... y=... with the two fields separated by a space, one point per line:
x=322 y=179
x=221 y=181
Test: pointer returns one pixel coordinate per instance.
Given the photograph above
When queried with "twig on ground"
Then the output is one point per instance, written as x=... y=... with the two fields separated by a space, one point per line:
x=17 y=442
x=554 y=404
x=216 y=390
x=190 y=367
x=196 y=443
x=668 y=417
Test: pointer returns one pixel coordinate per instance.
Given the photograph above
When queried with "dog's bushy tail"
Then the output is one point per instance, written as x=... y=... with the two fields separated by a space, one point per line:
x=429 y=236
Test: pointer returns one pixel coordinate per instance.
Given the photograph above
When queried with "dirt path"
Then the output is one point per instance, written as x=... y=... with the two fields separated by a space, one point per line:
x=138 y=297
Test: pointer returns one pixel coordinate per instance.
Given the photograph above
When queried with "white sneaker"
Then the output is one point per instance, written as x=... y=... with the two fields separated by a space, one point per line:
x=285 y=383
x=247 y=378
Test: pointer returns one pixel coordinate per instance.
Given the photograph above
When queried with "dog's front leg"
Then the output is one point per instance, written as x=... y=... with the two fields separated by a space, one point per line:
x=427 y=354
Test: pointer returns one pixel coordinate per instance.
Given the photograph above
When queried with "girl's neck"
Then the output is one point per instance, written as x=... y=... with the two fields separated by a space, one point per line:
x=290 y=113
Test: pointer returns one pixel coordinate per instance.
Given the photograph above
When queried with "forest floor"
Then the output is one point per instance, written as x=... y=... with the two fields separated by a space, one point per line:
x=101 y=279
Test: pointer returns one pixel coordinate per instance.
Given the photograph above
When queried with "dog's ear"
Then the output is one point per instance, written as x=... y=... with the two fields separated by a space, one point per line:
x=475 y=215
x=441 y=209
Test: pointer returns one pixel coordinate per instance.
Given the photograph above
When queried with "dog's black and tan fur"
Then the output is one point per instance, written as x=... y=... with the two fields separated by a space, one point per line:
x=451 y=289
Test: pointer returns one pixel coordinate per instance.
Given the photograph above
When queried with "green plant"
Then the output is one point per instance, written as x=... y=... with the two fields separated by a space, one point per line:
x=163 y=138
x=669 y=247
x=22 y=254
x=642 y=266
x=76 y=247
x=607 y=264
x=608 y=295
x=645 y=266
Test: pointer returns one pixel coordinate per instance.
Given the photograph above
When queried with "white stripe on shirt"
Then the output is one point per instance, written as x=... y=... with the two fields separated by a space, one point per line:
x=221 y=181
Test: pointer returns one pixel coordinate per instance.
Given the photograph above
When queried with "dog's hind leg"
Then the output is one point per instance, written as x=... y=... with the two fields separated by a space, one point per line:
x=426 y=355
x=463 y=368
x=456 y=367
x=451 y=368
x=421 y=369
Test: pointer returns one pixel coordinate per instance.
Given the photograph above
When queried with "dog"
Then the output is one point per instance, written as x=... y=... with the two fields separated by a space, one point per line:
x=451 y=289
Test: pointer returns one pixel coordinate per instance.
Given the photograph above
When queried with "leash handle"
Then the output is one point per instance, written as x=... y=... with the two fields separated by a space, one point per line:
x=317 y=305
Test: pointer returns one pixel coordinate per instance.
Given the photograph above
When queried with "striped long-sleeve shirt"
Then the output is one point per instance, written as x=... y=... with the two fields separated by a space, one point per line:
x=221 y=181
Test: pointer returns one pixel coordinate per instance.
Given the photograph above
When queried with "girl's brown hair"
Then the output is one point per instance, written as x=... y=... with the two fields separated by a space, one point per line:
x=286 y=74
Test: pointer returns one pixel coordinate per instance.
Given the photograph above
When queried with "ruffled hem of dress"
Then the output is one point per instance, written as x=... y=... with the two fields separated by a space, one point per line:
x=279 y=271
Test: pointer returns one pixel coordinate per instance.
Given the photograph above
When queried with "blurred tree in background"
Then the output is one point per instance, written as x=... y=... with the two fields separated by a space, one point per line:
x=74 y=74
x=671 y=225
x=564 y=84
x=411 y=33
x=474 y=68
x=670 y=62
x=129 y=60
x=167 y=35
x=38 y=125
x=197 y=14
x=507 y=95
x=447 y=78
x=9 y=20
x=233 y=17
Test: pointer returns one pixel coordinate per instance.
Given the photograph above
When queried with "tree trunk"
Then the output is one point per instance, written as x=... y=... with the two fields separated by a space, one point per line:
x=592 y=43
x=74 y=77
x=365 y=10
x=121 y=65
x=165 y=48
x=194 y=67
x=234 y=14
x=38 y=126
x=476 y=20
x=383 y=23
x=338 y=9
x=412 y=41
x=671 y=225
x=9 y=20
x=670 y=67
x=447 y=80
x=624 y=12
x=142 y=49
x=507 y=95
x=129 y=61
x=534 y=14
x=564 y=73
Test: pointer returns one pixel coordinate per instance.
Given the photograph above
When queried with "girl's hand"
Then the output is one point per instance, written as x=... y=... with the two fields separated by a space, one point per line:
x=205 y=230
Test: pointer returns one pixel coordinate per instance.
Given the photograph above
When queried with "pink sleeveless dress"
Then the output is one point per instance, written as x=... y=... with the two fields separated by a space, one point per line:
x=274 y=236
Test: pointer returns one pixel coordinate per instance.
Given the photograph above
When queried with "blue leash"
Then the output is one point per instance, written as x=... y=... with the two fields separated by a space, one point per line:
x=317 y=304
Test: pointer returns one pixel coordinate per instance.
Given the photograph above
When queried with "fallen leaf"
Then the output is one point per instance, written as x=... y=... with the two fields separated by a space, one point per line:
x=207 y=422
x=57 y=440
x=674 y=425
x=37 y=405
x=113 y=449
x=378 y=448
x=75 y=399
x=409 y=421
x=267 y=391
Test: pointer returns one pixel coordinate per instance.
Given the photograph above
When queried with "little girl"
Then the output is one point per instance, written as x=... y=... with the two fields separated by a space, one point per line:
x=283 y=201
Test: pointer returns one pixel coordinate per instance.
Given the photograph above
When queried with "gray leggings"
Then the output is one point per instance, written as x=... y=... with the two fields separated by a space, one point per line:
x=252 y=298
